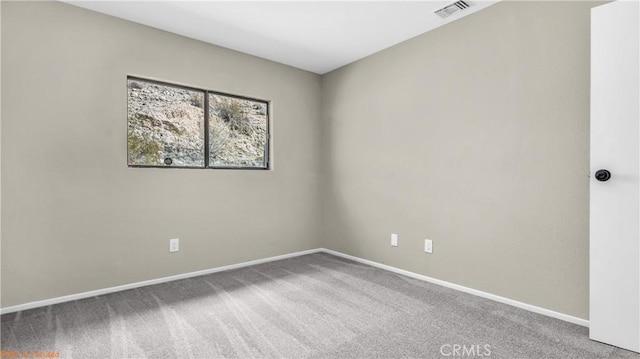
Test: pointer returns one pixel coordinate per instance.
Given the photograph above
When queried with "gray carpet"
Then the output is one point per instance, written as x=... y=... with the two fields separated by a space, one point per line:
x=315 y=306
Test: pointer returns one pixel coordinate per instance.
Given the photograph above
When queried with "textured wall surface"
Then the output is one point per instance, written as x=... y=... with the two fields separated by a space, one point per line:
x=75 y=218
x=475 y=135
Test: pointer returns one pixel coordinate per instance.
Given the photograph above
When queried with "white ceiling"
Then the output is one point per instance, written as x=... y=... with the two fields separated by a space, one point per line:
x=317 y=36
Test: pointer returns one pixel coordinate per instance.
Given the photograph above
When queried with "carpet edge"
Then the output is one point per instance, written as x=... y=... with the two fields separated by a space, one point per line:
x=476 y=292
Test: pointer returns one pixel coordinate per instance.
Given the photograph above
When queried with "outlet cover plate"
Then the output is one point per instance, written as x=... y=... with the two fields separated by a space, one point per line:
x=428 y=246
x=174 y=245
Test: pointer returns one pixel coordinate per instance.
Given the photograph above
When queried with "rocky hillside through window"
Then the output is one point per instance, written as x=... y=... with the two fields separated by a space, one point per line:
x=166 y=128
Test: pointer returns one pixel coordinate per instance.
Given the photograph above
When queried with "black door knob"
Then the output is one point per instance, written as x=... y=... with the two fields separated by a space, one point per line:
x=603 y=175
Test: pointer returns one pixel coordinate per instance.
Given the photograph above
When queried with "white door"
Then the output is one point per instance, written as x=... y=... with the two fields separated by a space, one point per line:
x=615 y=203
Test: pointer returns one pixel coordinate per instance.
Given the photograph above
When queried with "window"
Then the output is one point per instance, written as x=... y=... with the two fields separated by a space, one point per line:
x=175 y=126
x=237 y=132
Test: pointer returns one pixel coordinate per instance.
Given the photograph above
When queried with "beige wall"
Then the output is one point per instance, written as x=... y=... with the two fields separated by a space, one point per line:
x=475 y=135
x=76 y=218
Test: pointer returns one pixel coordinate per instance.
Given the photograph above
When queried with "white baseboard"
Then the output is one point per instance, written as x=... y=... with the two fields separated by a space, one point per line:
x=479 y=293
x=93 y=293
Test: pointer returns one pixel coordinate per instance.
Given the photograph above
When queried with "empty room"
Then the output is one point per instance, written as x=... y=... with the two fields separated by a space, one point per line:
x=320 y=179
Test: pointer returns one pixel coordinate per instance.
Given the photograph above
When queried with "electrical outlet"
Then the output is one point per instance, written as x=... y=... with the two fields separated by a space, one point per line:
x=428 y=246
x=394 y=239
x=174 y=245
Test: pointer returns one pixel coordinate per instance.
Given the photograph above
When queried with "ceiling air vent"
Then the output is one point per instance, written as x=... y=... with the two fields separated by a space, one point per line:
x=454 y=8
